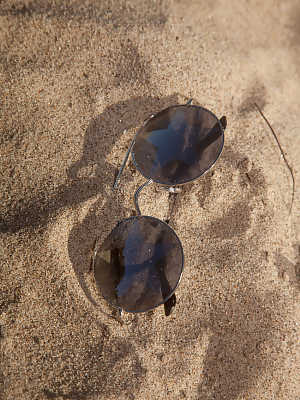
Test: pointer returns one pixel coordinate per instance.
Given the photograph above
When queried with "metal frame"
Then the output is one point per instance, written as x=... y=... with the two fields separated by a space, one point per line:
x=170 y=302
x=181 y=271
x=222 y=124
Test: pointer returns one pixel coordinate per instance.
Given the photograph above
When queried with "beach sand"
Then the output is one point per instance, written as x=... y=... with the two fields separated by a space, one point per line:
x=77 y=80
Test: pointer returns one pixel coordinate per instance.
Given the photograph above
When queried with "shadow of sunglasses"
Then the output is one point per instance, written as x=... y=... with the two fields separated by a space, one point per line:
x=139 y=265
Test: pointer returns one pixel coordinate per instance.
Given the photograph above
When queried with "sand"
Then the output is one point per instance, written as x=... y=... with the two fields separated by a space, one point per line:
x=77 y=80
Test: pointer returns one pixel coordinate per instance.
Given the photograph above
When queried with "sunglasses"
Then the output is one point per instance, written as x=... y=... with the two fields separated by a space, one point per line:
x=140 y=264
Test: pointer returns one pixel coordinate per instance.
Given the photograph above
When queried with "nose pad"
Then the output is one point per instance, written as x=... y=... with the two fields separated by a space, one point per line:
x=223 y=121
x=171 y=189
x=169 y=305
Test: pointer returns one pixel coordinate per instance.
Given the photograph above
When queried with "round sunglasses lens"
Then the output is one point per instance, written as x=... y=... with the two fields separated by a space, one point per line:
x=178 y=145
x=139 y=265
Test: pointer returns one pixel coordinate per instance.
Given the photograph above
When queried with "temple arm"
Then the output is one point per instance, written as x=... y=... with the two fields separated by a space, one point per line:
x=117 y=180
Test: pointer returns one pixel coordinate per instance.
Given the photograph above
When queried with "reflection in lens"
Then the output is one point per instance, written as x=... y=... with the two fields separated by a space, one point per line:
x=178 y=145
x=139 y=265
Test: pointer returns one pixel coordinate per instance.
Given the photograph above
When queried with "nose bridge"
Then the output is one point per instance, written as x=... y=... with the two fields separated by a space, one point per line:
x=137 y=193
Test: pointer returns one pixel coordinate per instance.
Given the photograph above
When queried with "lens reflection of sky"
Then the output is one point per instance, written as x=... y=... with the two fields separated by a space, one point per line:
x=144 y=273
x=170 y=146
x=178 y=145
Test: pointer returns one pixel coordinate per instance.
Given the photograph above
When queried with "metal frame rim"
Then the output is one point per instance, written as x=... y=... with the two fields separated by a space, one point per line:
x=181 y=270
x=187 y=181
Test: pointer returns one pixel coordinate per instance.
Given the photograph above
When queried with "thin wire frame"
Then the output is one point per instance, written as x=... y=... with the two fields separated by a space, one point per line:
x=222 y=126
x=144 y=126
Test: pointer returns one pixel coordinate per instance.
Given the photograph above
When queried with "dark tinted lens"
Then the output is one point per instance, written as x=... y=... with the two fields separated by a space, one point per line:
x=178 y=145
x=139 y=264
